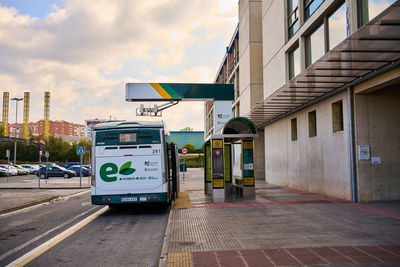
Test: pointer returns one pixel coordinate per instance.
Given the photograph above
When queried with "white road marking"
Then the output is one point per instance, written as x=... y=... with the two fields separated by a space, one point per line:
x=21 y=261
x=5 y=255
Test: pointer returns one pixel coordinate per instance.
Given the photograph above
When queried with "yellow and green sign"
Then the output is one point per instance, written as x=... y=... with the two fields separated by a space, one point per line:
x=178 y=91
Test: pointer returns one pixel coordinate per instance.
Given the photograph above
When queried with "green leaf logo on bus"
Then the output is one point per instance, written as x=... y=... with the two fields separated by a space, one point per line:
x=108 y=171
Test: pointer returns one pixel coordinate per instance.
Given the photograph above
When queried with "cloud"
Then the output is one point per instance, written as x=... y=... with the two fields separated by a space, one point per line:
x=75 y=52
x=201 y=74
x=172 y=57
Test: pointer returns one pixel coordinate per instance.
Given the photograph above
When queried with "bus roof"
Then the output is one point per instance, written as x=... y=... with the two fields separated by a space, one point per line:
x=122 y=124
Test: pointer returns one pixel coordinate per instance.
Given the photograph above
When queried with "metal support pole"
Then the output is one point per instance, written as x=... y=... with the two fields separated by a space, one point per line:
x=90 y=160
x=80 y=179
x=8 y=164
x=353 y=170
x=16 y=99
x=47 y=165
x=184 y=165
x=15 y=129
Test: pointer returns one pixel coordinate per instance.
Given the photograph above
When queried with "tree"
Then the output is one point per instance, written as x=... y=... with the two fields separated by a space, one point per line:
x=187 y=129
x=190 y=147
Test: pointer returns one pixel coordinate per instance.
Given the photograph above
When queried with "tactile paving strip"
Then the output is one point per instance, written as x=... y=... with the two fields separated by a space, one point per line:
x=270 y=227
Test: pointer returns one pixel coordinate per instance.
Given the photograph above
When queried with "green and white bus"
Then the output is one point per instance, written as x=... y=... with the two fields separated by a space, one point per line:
x=132 y=162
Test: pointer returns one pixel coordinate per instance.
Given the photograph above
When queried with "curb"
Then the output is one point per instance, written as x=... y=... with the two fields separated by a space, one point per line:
x=163 y=261
x=29 y=204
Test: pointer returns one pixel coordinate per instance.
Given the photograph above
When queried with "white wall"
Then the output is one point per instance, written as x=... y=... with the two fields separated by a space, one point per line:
x=317 y=164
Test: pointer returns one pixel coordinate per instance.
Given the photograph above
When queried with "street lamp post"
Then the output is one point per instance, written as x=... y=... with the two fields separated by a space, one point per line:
x=16 y=99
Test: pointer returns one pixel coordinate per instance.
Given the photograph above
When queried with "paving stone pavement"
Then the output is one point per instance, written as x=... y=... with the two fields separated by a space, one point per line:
x=281 y=227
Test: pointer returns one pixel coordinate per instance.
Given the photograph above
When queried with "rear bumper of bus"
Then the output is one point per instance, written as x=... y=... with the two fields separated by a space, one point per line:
x=129 y=198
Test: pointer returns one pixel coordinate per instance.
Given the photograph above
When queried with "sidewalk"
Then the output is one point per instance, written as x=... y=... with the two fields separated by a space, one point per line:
x=280 y=227
x=23 y=194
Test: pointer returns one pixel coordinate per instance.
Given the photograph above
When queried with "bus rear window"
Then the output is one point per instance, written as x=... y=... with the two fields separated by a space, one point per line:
x=149 y=136
x=106 y=138
x=127 y=138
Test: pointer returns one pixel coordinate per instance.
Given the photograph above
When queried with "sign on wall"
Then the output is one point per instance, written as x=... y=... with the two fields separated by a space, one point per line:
x=222 y=114
x=363 y=152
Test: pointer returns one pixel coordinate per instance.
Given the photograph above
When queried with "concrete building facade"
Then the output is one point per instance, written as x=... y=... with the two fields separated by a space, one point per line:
x=328 y=112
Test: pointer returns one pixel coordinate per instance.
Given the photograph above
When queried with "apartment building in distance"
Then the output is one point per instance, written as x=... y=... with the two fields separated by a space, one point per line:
x=328 y=112
x=67 y=130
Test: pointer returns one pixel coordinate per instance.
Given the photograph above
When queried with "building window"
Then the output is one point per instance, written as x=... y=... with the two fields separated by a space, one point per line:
x=293 y=16
x=337 y=116
x=369 y=9
x=337 y=26
x=293 y=127
x=315 y=45
x=310 y=6
x=294 y=63
x=312 y=123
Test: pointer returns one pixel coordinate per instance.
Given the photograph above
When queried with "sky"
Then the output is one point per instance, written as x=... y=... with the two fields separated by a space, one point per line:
x=84 y=52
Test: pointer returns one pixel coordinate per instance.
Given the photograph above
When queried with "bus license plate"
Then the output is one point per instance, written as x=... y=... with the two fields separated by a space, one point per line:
x=126 y=199
x=143 y=198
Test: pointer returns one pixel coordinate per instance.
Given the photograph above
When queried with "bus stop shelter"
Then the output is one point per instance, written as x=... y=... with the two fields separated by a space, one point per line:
x=229 y=161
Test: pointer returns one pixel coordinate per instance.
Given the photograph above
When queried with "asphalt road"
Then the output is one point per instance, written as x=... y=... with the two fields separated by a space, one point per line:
x=131 y=236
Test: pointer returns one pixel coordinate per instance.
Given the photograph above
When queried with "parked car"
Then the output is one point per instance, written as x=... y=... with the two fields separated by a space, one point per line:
x=3 y=172
x=47 y=164
x=33 y=169
x=77 y=169
x=70 y=164
x=21 y=170
x=87 y=167
x=55 y=171
x=12 y=170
